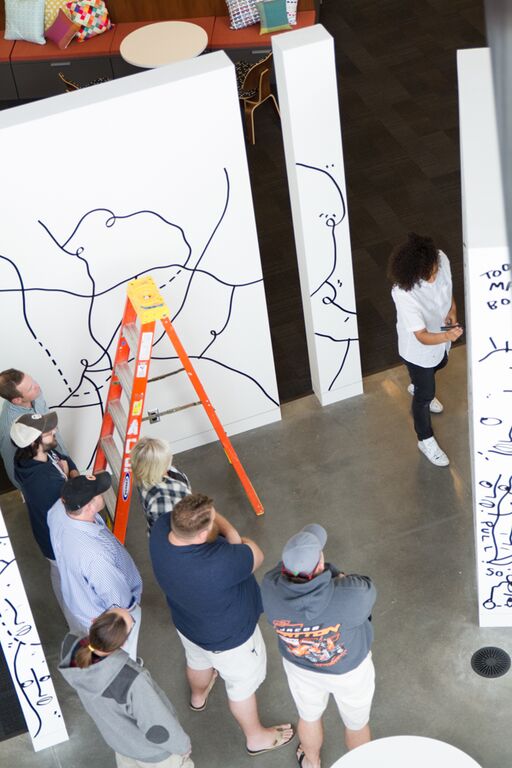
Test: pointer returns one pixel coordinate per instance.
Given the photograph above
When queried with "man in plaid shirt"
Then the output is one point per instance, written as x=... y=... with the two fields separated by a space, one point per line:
x=160 y=484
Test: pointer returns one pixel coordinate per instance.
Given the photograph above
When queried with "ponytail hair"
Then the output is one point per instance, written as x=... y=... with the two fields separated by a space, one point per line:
x=107 y=634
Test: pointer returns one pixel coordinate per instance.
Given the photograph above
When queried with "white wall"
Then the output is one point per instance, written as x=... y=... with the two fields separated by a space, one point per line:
x=144 y=174
x=25 y=655
x=308 y=98
x=489 y=338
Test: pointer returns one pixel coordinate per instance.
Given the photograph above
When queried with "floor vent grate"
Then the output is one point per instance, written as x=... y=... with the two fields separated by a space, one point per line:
x=490 y=662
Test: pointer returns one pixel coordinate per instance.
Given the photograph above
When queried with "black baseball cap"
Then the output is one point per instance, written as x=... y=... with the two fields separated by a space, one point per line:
x=78 y=491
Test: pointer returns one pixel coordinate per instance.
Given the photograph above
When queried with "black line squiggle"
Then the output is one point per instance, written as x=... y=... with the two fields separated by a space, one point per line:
x=341 y=366
x=16 y=675
x=223 y=365
x=216 y=334
x=219 y=222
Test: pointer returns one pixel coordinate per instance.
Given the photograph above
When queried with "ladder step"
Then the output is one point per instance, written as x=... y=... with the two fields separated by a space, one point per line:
x=110 y=503
x=113 y=457
x=131 y=334
x=125 y=375
x=116 y=410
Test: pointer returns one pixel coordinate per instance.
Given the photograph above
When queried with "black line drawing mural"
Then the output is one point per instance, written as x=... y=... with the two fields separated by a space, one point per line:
x=332 y=294
x=91 y=264
x=491 y=350
x=24 y=654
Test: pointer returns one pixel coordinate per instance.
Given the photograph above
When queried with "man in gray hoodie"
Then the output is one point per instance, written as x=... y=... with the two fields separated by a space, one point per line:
x=322 y=620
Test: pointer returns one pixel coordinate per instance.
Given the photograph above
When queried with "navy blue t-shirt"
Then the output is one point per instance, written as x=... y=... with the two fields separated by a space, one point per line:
x=41 y=484
x=214 y=599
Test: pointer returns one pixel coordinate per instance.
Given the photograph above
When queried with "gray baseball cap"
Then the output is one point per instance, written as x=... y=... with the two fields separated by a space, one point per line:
x=302 y=552
x=27 y=428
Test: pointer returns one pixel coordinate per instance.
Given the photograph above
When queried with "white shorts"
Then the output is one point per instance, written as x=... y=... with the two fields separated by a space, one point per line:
x=243 y=668
x=353 y=692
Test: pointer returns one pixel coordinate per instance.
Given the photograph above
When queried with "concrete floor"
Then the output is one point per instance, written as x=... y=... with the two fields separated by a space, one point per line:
x=355 y=468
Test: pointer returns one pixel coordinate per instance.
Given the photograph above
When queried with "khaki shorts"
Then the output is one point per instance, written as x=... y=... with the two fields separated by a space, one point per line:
x=353 y=692
x=243 y=668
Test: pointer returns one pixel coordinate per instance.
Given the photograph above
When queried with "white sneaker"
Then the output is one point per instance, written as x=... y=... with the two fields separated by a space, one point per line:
x=435 y=405
x=433 y=452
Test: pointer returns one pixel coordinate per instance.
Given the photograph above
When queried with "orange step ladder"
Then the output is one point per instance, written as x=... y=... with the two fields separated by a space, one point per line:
x=144 y=308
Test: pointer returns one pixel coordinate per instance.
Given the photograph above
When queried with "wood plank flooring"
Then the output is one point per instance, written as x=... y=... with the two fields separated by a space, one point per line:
x=396 y=63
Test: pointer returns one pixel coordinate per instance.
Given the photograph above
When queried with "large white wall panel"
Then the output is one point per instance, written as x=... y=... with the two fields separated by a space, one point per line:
x=308 y=97
x=489 y=321
x=147 y=174
x=25 y=655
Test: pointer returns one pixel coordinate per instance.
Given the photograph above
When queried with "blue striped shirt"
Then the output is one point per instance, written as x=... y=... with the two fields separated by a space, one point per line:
x=96 y=571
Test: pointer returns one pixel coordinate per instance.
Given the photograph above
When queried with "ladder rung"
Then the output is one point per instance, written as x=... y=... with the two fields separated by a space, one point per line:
x=116 y=410
x=113 y=457
x=131 y=334
x=110 y=503
x=125 y=376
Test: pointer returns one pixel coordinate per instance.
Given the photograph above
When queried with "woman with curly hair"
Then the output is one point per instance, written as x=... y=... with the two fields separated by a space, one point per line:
x=132 y=713
x=426 y=325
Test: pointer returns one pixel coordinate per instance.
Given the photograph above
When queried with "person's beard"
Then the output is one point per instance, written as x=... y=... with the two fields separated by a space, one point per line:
x=47 y=447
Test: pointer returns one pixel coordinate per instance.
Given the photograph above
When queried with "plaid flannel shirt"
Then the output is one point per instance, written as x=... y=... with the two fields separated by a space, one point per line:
x=163 y=497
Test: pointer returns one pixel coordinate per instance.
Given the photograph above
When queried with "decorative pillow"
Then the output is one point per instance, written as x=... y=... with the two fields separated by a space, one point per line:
x=51 y=10
x=24 y=20
x=273 y=16
x=291 y=10
x=62 y=31
x=91 y=15
x=242 y=13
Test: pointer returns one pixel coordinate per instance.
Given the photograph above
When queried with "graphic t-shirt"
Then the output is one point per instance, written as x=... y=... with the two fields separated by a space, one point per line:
x=323 y=624
x=214 y=598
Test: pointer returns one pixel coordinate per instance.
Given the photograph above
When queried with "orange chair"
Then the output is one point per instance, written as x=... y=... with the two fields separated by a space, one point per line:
x=253 y=82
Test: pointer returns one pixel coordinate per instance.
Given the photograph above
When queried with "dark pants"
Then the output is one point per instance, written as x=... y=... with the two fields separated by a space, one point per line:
x=424 y=380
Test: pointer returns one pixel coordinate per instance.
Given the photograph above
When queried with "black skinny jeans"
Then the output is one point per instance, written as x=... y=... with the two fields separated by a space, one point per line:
x=424 y=380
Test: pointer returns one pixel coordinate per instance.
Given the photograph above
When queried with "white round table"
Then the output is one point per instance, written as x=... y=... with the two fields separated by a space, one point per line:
x=406 y=752
x=162 y=43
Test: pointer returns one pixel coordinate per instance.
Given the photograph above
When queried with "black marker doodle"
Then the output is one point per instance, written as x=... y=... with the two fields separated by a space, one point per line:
x=335 y=315
x=99 y=303
x=25 y=656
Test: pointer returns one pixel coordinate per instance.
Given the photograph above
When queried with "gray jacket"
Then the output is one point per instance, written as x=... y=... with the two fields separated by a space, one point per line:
x=132 y=713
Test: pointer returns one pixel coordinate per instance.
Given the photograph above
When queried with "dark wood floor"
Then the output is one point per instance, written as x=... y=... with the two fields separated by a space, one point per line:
x=396 y=62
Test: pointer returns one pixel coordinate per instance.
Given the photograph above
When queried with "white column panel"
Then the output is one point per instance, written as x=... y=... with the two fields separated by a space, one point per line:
x=25 y=655
x=308 y=97
x=489 y=336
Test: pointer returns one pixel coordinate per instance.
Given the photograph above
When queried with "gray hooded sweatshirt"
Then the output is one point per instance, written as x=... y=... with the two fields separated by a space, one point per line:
x=132 y=713
x=323 y=624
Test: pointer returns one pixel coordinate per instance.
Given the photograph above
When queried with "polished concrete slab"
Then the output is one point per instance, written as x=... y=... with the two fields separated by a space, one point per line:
x=355 y=468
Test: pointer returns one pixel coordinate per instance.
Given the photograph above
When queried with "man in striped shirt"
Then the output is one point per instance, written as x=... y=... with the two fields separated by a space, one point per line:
x=97 y=573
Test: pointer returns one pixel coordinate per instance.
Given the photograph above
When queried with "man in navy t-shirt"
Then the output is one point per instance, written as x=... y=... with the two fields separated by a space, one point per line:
x=206 y=570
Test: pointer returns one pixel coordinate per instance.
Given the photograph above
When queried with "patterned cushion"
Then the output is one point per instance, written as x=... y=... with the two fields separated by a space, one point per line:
x=241 y=69
x=62 y=31
x=91 y=15
x=242 y=13
x=291 y=10
x=24 y=20
x=273 y=16
x=51 y=10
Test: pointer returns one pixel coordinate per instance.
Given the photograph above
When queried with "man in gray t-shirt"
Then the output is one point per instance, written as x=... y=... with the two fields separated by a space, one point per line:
x=322 y=620
x=22 y=395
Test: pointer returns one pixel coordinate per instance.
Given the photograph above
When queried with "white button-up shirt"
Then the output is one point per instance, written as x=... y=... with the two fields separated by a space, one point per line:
x=424 y=306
